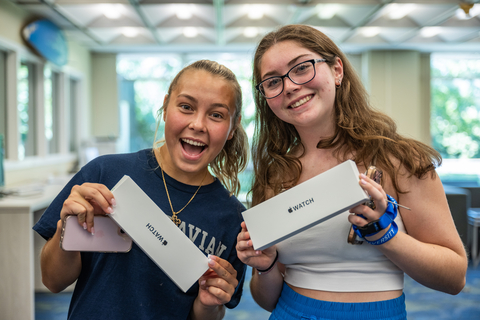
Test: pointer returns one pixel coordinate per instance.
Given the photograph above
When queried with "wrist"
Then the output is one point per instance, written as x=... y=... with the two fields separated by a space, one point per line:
x=270 y=268
x=382 y=224
x=202 y=311
x=387 y=235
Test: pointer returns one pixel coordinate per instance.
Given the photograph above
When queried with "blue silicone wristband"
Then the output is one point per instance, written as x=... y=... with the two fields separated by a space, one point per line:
x=376 y=226
x=373 y=227
x=392 y=231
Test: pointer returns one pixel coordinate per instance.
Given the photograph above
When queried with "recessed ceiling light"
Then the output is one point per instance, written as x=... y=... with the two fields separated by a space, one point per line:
x=190 y=32
x=370 y=32
x=428 y=32
x=255 y=12
x=184 y=12
x=327 y=11
x=399 y=11
x=250 y=32
x=130 y=32
x=112 y=11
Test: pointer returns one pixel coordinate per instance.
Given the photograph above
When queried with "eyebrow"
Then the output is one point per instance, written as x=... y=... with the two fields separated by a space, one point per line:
x=193 y=99
x=290 y=64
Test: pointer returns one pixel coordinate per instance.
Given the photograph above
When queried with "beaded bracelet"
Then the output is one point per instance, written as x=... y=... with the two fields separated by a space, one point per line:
x=271 y=266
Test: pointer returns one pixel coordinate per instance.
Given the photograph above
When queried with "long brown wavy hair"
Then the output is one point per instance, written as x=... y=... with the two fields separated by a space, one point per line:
x=361 y=132
x=233 y=158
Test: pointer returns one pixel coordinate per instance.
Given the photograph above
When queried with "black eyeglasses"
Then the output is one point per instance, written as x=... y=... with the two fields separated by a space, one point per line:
x=299 y=74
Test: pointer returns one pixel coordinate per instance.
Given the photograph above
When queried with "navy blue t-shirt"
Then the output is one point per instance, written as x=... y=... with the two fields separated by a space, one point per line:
x=129 y=285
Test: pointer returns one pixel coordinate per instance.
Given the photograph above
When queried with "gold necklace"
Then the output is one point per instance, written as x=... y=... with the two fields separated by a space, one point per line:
x=174 y=217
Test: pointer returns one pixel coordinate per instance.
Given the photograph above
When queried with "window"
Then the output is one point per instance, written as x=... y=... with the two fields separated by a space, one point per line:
x=455 y=116
x=73 y=120
x=3 y=102
x=52 y=110
x=26 y=110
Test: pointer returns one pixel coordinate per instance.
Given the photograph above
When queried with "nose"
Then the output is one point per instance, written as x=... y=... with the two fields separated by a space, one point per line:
x=289 y=86
x=198 y=123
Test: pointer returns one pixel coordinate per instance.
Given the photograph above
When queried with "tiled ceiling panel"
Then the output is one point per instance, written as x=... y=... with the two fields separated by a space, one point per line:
x=134 y=25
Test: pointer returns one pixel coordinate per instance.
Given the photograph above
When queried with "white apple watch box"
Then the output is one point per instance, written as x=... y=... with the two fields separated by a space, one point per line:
x=157 y=235
x=305 y=205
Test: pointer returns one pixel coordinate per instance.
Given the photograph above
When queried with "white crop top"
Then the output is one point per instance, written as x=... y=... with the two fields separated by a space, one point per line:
x=320 y=258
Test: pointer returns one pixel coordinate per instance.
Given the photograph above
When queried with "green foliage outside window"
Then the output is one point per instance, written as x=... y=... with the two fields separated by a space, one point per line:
x=455 y=112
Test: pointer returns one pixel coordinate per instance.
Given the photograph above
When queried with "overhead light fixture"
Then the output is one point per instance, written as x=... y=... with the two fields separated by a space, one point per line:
x=184 y=12
x=112 y=11
x=190 y=32
x=327 y=11
x=428 y=32
x=250 y=32
x=467 y=11
x=256 y=11
x=399 y=11
x=370 y=32
x=130 y=32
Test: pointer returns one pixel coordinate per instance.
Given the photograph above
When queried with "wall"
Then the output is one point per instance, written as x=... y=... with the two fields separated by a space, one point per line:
x=12 y=20
x=105 y=115
x=399 y=85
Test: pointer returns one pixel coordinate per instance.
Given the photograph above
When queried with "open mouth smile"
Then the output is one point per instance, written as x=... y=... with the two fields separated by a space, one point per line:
x=193 y=147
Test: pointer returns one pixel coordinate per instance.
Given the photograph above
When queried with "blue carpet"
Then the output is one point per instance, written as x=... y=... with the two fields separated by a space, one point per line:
x=422 y=303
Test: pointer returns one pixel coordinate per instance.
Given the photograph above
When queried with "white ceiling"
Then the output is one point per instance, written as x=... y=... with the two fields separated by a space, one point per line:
x=222 y=25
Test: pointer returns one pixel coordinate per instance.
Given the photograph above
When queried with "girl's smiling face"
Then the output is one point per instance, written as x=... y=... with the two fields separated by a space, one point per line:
x=307 y=105
x=199 y=119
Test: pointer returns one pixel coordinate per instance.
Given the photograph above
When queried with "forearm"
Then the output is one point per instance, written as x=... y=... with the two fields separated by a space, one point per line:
x=432 y=265
x=202 y=312
x=59 y=268
x=267 y=287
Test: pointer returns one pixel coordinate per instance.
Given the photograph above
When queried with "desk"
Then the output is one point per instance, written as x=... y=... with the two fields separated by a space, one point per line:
x=17 y=252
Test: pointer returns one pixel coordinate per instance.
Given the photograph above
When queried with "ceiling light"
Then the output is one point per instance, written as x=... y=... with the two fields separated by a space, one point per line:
x=327 y=11
x=184 y=12
x=428 y=32
x=370 y=32
x=461 y=15
x=130 y=32
x=250 y=32
x=255 y=12
x=399 y=11
x=112 y=11
x=465 y=13
x=190 y=32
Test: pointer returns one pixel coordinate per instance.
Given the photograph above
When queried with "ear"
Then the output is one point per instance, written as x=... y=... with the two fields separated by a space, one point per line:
x=230 y=135
x=164 y=107
x=338 y=69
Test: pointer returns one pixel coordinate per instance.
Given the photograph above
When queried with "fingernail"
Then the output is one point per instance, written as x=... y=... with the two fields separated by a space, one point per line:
x=109 y=210
x=363 y=182
x=85 y=226
x=210 y=262
x=362 y=175
x=203 y=282
x=93 y=231
x=258 y=252
x=113 y=202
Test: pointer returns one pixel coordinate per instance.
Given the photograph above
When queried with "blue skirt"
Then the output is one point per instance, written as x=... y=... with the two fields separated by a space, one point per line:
x=294 y=306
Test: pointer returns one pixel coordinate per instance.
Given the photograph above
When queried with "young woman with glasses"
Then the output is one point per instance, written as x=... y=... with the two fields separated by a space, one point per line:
x=313 y=113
